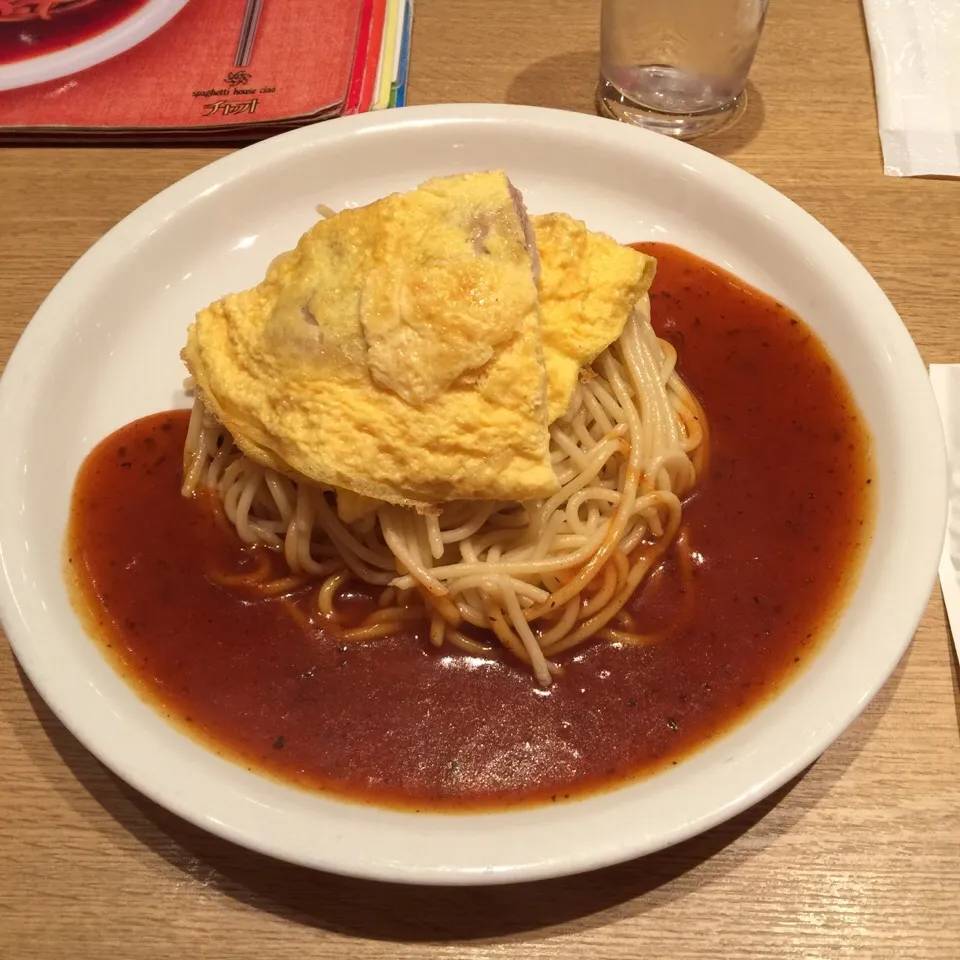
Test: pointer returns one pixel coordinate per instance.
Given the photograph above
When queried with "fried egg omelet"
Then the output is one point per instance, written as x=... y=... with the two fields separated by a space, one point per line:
x=416 y=350
x=589 y=285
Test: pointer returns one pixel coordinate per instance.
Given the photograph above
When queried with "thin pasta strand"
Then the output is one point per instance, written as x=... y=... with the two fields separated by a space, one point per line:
x=542 y=577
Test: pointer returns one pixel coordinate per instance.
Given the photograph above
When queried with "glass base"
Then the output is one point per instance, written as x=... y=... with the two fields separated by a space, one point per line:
x=684 y=126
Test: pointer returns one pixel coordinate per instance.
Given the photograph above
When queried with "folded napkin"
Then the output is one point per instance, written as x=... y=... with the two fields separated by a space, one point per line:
x=945 y=378
x=915 y=48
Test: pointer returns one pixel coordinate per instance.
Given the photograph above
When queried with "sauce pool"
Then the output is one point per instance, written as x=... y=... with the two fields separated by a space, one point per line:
x=777 y=526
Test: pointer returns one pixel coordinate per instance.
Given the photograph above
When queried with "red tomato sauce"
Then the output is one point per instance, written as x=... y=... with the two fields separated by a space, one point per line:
x=778 y=526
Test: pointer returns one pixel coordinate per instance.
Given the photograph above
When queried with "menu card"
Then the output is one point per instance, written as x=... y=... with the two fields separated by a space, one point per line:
x=195 y=69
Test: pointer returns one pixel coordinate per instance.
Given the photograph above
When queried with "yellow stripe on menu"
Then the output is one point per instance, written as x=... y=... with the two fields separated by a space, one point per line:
x=388 y=54
x=398 y=40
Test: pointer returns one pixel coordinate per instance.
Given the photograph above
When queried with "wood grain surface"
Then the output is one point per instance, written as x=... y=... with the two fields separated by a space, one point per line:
x=859 y=857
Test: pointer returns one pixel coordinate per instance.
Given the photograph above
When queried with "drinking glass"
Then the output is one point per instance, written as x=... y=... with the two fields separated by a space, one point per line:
x=677 y=66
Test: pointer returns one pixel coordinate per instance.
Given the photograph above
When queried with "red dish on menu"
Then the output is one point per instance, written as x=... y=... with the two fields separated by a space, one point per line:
x=30 y=29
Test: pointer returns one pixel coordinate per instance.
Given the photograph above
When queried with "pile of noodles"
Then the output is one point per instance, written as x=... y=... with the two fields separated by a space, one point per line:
x=542 y=576
x=17 y=11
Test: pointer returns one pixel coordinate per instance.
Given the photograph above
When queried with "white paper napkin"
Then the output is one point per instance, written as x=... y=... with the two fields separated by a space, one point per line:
x=946 y=387
x=915 y=48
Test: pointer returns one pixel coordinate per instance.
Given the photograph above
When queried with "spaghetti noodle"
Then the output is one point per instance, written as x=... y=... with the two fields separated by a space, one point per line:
x=541 y=576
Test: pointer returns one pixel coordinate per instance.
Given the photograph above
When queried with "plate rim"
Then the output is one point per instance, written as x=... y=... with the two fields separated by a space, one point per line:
x=168 y=202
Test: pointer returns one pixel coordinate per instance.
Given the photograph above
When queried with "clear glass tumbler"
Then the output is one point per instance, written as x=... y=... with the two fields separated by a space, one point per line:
x=677 y=66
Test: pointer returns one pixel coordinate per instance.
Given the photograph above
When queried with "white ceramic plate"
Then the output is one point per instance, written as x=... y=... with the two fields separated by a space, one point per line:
x=103 y=46
x=103 y=349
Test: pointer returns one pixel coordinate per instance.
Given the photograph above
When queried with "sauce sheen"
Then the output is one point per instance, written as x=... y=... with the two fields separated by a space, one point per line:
x=776 y=526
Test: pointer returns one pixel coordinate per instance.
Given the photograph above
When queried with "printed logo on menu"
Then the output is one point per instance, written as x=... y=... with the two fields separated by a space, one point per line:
x=237 y=83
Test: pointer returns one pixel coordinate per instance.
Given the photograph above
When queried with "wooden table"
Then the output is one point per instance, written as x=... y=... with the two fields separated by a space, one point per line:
x=860 y=857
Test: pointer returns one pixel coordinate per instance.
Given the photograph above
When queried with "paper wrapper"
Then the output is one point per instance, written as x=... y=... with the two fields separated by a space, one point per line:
x=915 y=49
x=946 y=387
